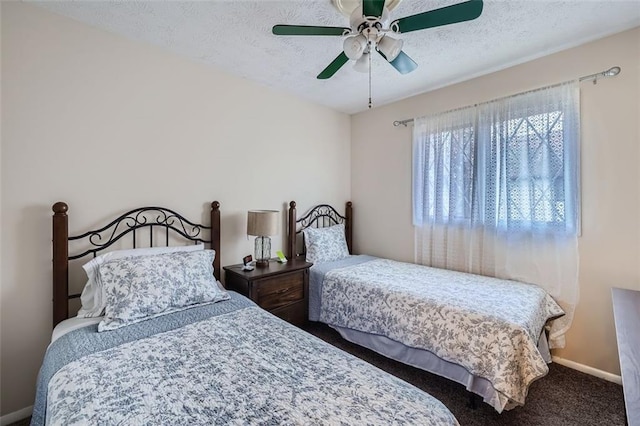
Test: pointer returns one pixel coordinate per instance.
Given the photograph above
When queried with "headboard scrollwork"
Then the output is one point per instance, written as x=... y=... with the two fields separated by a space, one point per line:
x=136 y=219
x=156 y=220
x=320 y=216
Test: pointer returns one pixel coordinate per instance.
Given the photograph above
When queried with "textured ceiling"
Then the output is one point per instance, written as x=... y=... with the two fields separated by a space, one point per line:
x=235 y=36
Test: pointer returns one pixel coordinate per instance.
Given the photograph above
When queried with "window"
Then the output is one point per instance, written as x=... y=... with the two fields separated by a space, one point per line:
x=510 y=164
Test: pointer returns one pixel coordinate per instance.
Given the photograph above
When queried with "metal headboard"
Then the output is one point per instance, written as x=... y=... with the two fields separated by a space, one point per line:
x=130 y=223
x=320 y=216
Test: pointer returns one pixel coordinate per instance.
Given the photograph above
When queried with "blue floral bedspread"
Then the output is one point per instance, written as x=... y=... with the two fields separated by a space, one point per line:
x=231 y=363
x=487 y=325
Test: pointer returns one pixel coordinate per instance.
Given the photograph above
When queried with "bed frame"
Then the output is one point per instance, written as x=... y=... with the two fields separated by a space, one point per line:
x=132 y=222
x=320 y=216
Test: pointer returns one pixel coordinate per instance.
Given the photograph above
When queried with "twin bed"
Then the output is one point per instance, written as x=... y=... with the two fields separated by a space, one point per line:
x=485 y=333
x=164 y=343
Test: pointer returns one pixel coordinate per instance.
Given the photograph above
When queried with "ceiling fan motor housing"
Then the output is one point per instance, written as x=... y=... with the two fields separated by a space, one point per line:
x=369 y=28
x=359 y=22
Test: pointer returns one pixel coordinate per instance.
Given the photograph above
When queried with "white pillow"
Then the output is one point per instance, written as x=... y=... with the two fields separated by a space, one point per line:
x=92 y=297
x=325 y=244
x=143 y=287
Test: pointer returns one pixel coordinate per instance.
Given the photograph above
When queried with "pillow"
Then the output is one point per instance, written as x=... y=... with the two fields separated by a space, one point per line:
x=92 y=297
x=325 y=244
x=144 y=287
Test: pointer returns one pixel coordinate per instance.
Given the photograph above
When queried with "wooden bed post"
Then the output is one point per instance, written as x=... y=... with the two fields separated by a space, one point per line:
x=348 y=225
x=60 y=263
x=215 y=237
x=291 y=241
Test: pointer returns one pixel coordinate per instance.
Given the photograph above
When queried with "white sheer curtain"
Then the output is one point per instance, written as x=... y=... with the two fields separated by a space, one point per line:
x=496 y=192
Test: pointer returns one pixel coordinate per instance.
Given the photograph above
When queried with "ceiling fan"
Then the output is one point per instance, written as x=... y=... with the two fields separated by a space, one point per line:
x=371 y=28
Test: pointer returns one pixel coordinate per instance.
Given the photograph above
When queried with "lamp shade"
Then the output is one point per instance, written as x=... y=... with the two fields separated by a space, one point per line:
x=262 y=223
x=390 y=47
x=354 y=46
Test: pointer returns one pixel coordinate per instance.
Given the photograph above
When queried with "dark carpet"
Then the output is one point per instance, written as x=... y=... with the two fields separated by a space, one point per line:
x=563 y=397
x=25 y=422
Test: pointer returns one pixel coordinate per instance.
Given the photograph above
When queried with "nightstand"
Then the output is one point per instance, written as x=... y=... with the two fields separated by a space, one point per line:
x=280 y=288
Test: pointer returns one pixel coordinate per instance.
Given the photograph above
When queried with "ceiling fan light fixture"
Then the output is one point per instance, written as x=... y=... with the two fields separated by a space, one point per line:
x=362 y=64
x=354 y=46
x=390 y=48
x=369 y=24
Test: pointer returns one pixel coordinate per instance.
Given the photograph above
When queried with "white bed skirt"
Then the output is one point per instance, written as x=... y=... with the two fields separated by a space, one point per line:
x=427 y=361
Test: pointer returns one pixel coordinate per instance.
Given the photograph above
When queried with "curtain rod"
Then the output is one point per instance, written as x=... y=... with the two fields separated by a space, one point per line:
x=611 y=72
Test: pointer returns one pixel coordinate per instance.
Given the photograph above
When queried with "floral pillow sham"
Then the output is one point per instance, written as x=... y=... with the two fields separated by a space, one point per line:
x=92 y=297
x=144 y=287
x=325 y=244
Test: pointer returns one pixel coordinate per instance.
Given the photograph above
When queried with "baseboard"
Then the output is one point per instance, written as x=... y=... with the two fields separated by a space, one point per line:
x=7 y=419
x=589 y=370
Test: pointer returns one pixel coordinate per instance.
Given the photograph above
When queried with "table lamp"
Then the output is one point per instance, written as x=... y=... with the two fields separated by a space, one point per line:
x=262 y=224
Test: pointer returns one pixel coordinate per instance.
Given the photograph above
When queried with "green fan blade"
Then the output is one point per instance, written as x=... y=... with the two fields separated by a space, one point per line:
x=403 y=63
x=372 y=7
x=444 y=16
x=333 y=66
x=309 y=30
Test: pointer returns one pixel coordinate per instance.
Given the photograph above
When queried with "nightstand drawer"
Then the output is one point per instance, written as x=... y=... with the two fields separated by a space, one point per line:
x=280 y=291
x=280 y=288
x=295 y=313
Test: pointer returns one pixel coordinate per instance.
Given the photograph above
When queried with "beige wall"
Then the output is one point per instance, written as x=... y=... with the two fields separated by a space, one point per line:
x=610 y=243
x=108 y=124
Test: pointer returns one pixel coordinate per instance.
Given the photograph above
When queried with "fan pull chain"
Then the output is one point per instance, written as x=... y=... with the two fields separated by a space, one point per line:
x=370 y=75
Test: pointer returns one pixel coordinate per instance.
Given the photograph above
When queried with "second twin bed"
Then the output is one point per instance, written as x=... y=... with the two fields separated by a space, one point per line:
x=485 y=333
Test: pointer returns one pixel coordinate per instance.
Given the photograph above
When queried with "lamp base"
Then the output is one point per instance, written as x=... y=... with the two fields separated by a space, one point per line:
x=263 y=251
x=263 y=263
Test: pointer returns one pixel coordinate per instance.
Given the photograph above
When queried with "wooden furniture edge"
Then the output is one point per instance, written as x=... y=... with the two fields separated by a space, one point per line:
x=215 y=237
x=60 y=262
x=626 y=313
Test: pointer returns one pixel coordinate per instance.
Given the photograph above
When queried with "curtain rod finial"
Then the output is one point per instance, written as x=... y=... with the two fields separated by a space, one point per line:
x=612 y=71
